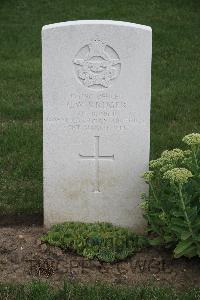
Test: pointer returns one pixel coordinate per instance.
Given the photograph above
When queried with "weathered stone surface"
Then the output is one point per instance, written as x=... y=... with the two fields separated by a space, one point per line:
x=96 y=96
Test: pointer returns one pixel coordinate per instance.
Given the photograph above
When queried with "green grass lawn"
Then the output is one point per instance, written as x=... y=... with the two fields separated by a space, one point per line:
x=74 y=291
x=175 y=81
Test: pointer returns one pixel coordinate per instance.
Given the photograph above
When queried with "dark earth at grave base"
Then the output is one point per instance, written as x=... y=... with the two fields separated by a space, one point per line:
x=24 y=257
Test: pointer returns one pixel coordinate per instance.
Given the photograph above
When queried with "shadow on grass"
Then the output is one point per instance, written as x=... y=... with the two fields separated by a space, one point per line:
x=21 y=219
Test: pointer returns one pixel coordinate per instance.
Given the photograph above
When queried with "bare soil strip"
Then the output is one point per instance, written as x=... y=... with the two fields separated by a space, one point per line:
x=24 y=257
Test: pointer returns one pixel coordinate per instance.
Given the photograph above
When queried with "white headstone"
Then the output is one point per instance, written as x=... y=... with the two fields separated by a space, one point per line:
x=96 y=96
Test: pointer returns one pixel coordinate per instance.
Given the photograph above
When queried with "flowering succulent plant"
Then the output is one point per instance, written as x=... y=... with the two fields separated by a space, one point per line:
x=172 y=207
x=192 y=139
x=177 y=175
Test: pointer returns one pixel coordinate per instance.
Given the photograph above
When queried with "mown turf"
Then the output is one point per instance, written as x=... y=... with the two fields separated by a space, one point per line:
x=74 y=291
x=175 y=81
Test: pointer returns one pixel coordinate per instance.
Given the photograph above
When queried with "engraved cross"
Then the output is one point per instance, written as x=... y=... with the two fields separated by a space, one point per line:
x=96 y=158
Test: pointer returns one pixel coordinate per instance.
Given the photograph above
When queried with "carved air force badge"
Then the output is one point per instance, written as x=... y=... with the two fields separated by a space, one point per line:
x=97 y=65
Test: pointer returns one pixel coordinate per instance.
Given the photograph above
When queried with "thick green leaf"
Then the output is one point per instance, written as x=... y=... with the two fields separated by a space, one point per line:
x=182 y=246
x=189 y=252
x=179 y=221
x=177 y=229
x=168 y=238
x=185 y=235
x=177 y=213
x=156 y=241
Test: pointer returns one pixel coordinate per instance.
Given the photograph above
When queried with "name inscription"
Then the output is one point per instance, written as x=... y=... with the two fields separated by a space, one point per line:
x=96 y=112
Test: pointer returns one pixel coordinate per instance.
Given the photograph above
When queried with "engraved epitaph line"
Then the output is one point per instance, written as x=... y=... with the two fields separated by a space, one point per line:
x=97 y=157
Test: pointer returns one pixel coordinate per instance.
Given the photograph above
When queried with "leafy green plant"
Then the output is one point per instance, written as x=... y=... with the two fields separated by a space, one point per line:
x=102 y=241
x=172 y=207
